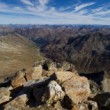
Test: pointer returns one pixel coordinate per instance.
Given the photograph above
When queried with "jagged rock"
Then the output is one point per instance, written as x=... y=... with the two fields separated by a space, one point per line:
x=50 y=66
x=58 y=106
x=45 y=107
x=75 y=107
x=18 y=103
x=18 y=80
x=49 y=73
x=95 y=88
x=53 y=93
x=44 y=73
x=89 y=105
x=66 y=66
x=92 y=104
x=106 y=84
x=37 y=63
x=77 y=89
x=4 y=95
x=63 y=76
x=34 y=73
x=58 y=67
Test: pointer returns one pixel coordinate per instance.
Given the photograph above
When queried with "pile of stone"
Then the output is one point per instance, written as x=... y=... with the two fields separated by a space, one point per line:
x=49 y=86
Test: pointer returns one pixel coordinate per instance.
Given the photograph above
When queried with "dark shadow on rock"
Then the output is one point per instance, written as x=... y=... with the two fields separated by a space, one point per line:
x=96 y=77
x=103 y=101
x=5 y=83
x=31 y=100
x=17 y=92
x=40 y=89
x=67 y=103
x=45 y=66
x=39 y=83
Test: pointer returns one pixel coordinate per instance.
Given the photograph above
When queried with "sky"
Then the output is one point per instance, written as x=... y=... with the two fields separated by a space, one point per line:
x=55 y=12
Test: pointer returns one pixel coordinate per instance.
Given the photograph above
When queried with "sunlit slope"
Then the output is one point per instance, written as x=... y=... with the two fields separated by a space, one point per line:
x=16 y=52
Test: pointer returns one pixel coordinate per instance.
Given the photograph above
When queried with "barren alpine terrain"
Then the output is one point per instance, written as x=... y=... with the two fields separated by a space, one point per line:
x=16 y=52
x=54 y=67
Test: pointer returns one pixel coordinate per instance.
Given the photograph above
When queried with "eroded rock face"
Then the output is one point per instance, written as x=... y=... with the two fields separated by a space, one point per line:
x=53 y=92
x=34 y=73
x=17 y=104
x=18 y=79
x=4 y=95
x=77 y=89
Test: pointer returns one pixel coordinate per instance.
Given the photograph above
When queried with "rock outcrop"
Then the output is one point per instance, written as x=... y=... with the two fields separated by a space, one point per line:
x=62 y=76
x=63 y=89
x=34 y=73
x=17 y=104
x=4 y=95
x=53 y=92
x=18 y=80
x=77 y=89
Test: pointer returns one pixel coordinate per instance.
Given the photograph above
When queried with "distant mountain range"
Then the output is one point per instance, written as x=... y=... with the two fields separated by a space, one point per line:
x=86 y=46
x=53 y=26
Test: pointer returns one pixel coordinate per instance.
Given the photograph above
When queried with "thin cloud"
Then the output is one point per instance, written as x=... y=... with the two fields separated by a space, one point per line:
x=52 y=15
x=101 y=11
x=82 y=6
x=43 y=2
x=3 y=5
x=27 y=2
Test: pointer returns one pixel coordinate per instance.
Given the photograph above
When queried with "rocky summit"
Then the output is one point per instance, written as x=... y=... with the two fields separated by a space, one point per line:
x=63 y=89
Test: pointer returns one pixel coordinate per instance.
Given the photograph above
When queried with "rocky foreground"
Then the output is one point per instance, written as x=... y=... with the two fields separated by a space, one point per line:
x=52 y=86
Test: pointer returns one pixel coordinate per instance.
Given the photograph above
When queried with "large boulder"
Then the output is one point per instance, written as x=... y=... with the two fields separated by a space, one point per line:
x=34 y=73
x=63 y=76
x=53 y=92
x=77 y=89
x=18 y=103
x=18 y=80
x=37 y=86
x=4 y=95
x=43 y=81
